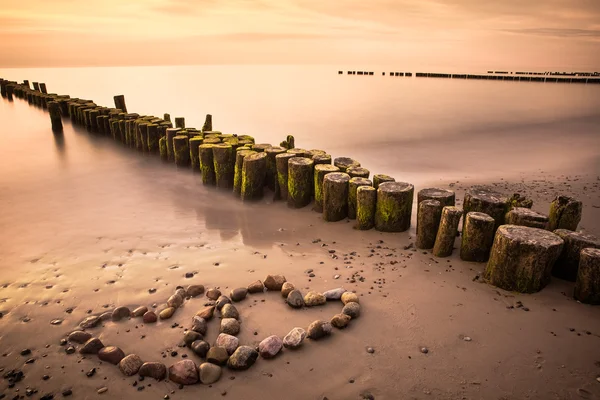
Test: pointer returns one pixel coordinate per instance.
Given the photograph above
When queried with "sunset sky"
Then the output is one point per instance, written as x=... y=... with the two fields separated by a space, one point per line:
x=534 y=33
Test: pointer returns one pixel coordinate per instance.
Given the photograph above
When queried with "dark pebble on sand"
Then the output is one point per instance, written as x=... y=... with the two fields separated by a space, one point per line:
x=91 y=372
x=189 y=275
x=45 y=377
x=152 y=290
x=30 y=361
x=370 y=350
x=67 y=393
x=70 y=350
x=48 y=396
x=173 y=354
x=424 y=350
x=25 y=352
x=63 y=342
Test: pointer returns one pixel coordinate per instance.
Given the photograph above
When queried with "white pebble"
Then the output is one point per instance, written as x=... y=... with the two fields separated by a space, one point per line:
x=467 y=339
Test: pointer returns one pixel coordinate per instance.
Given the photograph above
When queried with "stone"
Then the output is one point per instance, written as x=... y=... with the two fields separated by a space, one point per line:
x=294 y=338
x=200 y=348
x=194 y=290
x=228 y=342
x=130 y=365
x=92 y=346
x=206 y=313
x=154 y=370
x=167 y=313
x=209 y=373
x=256 y=287
x=119 y=313
x=238 y=294
x=184 y=372
x=107 y=316
x=175 y=301
x=229 y=311
x=243 y=358
x=286 y=289
x=90 y=322
x=190 y=337
x=274 y=282
x=199 y=325
x=341 y=321
x=213 y=293
x=140 y=311
x=111 y=354
x=79 y=337
x=221 y=301
x=217 y=355
x=150 y=317
x=230 y=326
x=334 y=294
x=102 y=390
x=312 y=299
x=350 y=297
x=319 y=329
x=352 y=310
x=295 y=299
x=270 y=346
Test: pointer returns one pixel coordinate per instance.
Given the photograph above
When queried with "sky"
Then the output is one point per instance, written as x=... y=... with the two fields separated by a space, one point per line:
x=535 y=34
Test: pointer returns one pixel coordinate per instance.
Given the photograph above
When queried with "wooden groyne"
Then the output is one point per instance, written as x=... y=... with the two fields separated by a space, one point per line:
x=522 y=255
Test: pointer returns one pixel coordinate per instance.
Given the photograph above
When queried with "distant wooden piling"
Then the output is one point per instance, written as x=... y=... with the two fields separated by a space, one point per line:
x=55 y=116
x=381 y=178
x=207 y=123
x=170 y=134
x=195 y=143
x=43 y=88
x=180 y=122
x=120 y=103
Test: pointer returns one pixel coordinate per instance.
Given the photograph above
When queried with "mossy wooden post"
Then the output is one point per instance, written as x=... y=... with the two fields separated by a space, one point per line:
x=353 y=185
x=180 y=122
x=526 y=217
x=120 y=103
x=316 y=152
x=343 y=163
x=486 y=200
x=281 y=163
x=144 y=136
x=36 y=86
x=207 y=123
x=587 y=285
x=429 y=214
x=254 y=172
x=568 y=261
x=224 y=160
x=181 y=150
x=237 y=173
x=93 y=120
x=320 y=171
x=195 y=143
x=446 y=235
x=477 y=237
x=565 y=213
x=9 y=92
x=358 y=172
x=300 y=152
x=167 y=117
x=300 y=181
x=260 y=147
x=366 y=199
x=207 y=165
x=322 y=159
x=55 y=117
x=272 y=168
x=43 y=88
x=162 y=148
x=378 y=179
x=521 y=258
x=153 y=138
x=100 y=123
x=170 y=134
x=335 y=196
x=444 y=196
x=394 y=206
x=518 y=200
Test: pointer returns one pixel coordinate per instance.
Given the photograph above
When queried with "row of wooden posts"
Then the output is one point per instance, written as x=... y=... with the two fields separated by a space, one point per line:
x=500 y=77
x=522 y=248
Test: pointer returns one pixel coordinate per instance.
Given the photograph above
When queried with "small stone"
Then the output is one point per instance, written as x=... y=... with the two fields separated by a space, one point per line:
x=194 y=290
x=130 y=365
x=102 y=390
x=189 y=275
x=295 y=299
x=140 y=311
x=467 y=339
x=274 y=282
x=190 y=337
x=154 y=370
x=340 y=321
x=294 y=339
x=106 y=316
x=79 y=337
x=228 y=342
x=230 y=326
x=312 y=299
x=167 y=313
x=63 y=341
x=92 y=346
x=175 y=301
x=287 y=288
x=213 y=293
x=184 y=372
x=209 y=373
x=334 y=294
x=199 y=325
x=150 y=317
x=90 y=322
x=243 y=358
x=56 y=321
x=370 y=350
x=91 y=373
x=119 y=313
x=238 y=294
x=67 y=392
x=424 y=350
x=229 y=311
x=221 y=301
x=70 y=350
x=152 y=290
x=206 y=313
x=217 y=355
x=337 y=276
x=200 y=348
x=352 y=310
x=270 y=346
x=350 y=297
x=256 y=287
x=319 y=329
x=111 y=354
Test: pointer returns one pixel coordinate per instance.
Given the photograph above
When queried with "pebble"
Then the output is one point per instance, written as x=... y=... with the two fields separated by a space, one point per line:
x=150 y=317
x=294 y=338
x=319 y=329
x=154 y=370
x=229 y=311
x=152 y=290
x=175 y=301
x=102 y=390
x=238 y=294
x=312 y=299
x=206 y=313
x=189 y=275
x=221 y=301
x=140 y=311
x=287 y=288
x=349 y=297
x=25 y=352
x=119 y=313
x=90 y=322
x=370 y=350
x=295 y=299
x=91 y=372
x=230 y=326
x=190 y=337
x=467 y=339
x=217 y=355
x=274 y=282
x=111 y=354
x=228 y=342
x=167 y=313
x=352 y=310
x=340 y=321
x=200 y=348
x=213 y=293
x=334 y=294
x=336 y=276
x=106 y=316
x=199 y=325
x=194 y=290
x=209 y=373
x=67 y=392
x=256 y=287
x=184 y=372
x=70 y=350
x=130 y=365
x=424 y=350
x=270 y=346
x=57 y=321
x=243 y=358
x=92 y=346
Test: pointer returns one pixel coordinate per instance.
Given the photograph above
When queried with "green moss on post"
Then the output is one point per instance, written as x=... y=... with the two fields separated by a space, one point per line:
x=211 y=140
x=354 y=184
x=343 y=163
x=237 y=173
x=55 y=117
x=180 y=122
x=565 y=213
x=446 y=235
x=394 y=206
x=170 y=134
x=300 y=181
x=195 y=142
x=272 y=168
x=320 y=171
x=568 y=262
x=162 y=147
x=518 y=200
x=143 y=129
x=486 y=200
x=247 y=138
x=587 y=286
x=261 y=147
x=281 y=163
x=521 y=258
x=299 y=152
x=207 y=123
x=322 y=159
x=358 y=172
x=121 y=130
x=429 y=214
x=181 y=150
x=378 y=179
x=335 y=196
x=254 y=172
x=224 y=160
x=366 y=205
x=444 y=196
x=526 y=217
x=207 y=165
x=477 y=237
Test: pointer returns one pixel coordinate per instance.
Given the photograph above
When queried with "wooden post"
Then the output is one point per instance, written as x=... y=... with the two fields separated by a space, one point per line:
x=300 y=181
x=207 y=165
x=358 y=172
x=281 y=162
x=120 y=103
x=272 y=168
x=254 y=172
x=353 y=186
x=394 y=206
x=181 y=150
x=477 y=237
x=366 y=199
x=444 y=196
x=568 y=262
x=319 y=175
x=381 y=178
x=207 y=123
x=486 y=200
x=343 y=163
x=170 y=134
x=587 y=286
x=446 y=235
x=55 y=117
x=180 y=122
x=429 y=213
x=335 y=196
x=224 y=160
x=237 y=174
x=526 y=217
x=43 y=88
x=565 y=213
x=195 y=143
